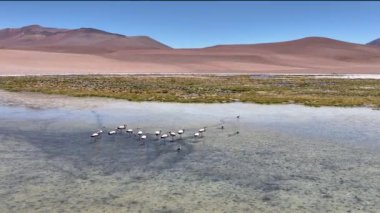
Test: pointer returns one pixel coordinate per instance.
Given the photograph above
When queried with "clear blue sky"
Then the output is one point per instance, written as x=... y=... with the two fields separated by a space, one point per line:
x=199 y=24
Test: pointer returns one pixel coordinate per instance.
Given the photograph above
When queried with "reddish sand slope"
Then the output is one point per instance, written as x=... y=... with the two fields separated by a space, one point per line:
x=39 y=50
x=309 y=55
x=21 y=62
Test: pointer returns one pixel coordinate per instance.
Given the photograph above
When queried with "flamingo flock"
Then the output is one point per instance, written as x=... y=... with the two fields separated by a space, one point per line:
x=140 y=134
x=158 y=133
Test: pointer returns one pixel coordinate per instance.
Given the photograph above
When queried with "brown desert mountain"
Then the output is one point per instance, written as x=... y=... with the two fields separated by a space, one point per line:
x=375 y=42
x=39 y=50
x=83 y=40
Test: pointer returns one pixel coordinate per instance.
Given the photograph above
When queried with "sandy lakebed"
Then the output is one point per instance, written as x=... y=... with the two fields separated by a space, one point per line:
x=287 y=158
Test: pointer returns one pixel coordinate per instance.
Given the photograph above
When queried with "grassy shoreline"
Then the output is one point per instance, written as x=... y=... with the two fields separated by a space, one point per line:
x=306 y=90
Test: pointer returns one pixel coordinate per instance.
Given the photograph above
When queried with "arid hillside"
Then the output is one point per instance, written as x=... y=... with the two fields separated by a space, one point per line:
x=40 y=50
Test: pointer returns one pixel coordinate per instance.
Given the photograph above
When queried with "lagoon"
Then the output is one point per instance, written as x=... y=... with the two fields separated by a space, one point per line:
x=288 y=158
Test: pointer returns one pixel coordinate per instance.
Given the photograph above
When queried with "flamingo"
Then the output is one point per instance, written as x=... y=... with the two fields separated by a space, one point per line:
x=124 y=126
x=139 y=133
x=180 y=132
x=201 y=131
x=97 y=133
x=129 y=131
x=121 y=127
x=112 y=132
x=164 y=136
x=157 y=133
x=172 y=134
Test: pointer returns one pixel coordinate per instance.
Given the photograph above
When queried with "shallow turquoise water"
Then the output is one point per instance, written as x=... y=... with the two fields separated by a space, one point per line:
x=286 y=158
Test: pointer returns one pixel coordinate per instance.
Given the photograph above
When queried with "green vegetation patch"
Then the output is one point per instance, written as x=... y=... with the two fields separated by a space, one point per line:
x=306 y=90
